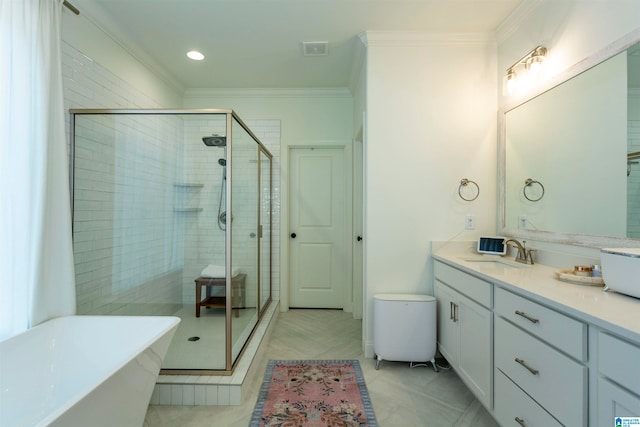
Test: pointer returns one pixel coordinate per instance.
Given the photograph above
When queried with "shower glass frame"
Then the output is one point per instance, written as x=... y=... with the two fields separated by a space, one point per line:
x=264 y=219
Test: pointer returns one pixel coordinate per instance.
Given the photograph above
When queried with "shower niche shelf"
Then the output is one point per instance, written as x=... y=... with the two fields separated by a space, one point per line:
x=185 y=210
x=188 y=185
x=187 y=192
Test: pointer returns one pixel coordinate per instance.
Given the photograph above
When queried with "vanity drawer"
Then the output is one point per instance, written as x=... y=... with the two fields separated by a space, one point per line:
x=512 y=404
x=565 y=333
x=556 y=382
x=476 y=289
x=618 y=360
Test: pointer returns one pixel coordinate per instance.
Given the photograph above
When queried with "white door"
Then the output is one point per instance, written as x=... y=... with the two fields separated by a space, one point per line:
x=358 y=228
x=318 y=243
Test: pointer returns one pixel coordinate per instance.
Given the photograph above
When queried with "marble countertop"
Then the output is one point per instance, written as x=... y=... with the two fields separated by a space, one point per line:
x=616 y=312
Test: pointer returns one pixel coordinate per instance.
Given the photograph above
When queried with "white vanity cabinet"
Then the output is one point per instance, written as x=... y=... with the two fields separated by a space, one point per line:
x=618 y=379
x=538 y=352
x=465 y=327
x=543 y=353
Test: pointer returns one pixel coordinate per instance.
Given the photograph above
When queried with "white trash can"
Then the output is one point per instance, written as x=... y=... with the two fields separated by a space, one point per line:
x=404 y=328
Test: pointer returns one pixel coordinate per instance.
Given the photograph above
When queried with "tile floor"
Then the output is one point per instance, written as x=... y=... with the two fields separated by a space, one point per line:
x=401 y=396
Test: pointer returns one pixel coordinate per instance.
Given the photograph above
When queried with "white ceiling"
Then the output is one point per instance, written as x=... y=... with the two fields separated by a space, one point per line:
x=257 y=43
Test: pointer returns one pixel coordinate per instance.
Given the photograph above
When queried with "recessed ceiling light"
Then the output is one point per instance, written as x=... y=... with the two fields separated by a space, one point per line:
x=195 y=55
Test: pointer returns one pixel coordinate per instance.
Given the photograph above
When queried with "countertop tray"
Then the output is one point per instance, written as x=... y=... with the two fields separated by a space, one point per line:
x=569 y=276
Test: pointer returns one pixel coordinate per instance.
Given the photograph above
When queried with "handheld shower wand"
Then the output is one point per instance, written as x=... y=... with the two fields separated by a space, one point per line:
x=220 y=141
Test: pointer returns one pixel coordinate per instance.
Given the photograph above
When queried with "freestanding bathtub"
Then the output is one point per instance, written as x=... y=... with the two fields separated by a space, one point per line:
x=83 y=371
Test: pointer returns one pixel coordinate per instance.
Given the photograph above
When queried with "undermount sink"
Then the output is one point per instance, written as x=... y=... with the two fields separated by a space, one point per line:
x=496 y=263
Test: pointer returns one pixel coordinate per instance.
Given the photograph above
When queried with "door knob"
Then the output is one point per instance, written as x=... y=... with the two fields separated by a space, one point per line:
x=359 y=238
x=293 y=235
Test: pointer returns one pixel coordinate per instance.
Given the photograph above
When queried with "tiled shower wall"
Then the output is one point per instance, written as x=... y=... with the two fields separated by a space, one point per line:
x=89 y=85
x=204 y=239
x=127 y=239
x=633 y=180
x=203 y=176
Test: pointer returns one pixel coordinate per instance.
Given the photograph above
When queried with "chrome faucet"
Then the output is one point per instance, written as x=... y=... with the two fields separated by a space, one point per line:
x=524 y=255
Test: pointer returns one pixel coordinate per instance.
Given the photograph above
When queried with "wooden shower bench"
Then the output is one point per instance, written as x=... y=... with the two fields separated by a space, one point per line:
x=237 y=292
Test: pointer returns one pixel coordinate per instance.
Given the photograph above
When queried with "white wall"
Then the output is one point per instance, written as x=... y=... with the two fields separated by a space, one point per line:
x=308 y=117
x=431 y=121
x=572 y=31
x=591 y=107
x=99 y=73
x=152 y=89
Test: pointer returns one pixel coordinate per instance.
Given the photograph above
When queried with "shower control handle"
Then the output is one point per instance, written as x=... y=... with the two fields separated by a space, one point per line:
x=293 y=235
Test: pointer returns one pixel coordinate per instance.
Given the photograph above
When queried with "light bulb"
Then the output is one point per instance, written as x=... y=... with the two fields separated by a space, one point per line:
x=510 y=82
x=195 y=55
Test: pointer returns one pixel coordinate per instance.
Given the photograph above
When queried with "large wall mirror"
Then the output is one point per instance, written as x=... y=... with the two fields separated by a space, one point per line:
x=570 y=156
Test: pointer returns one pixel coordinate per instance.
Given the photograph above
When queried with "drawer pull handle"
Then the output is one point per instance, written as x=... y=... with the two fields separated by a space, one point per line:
x=520 y=421
x=523 y=363
x=451 y=315
x=529 y=318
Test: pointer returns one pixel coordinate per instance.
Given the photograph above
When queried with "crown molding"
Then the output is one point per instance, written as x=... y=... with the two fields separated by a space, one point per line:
x=338 y=92
x=514 y=21
x=102 y=21
x=422 y=38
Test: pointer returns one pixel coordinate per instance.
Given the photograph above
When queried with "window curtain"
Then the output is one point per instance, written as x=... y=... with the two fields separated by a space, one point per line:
x=36 y=257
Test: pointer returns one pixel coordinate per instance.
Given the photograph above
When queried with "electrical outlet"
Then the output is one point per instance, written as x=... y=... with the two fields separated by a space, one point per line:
x=522 y=221
x=470 y=222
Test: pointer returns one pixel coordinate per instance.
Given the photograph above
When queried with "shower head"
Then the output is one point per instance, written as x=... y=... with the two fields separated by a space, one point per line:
x=215 y=141
x=222 y=162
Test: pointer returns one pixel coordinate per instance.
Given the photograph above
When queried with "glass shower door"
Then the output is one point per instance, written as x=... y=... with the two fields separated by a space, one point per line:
x=265 y=230
x=172 y=216
x=245 y=196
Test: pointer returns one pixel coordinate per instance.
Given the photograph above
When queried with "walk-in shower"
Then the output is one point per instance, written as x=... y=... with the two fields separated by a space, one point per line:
x=220 y=141
x=167 y=225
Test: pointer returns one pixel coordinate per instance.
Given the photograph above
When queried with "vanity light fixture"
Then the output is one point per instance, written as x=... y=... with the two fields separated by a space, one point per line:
x=525 y=71
x=195 y=55
x=536 y=58
x=510 y=81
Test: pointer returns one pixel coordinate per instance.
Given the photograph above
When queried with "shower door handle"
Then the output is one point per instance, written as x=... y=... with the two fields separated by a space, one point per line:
x=293 y=235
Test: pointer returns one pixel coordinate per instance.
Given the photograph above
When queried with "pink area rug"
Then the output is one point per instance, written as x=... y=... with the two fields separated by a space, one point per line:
x=297 y=393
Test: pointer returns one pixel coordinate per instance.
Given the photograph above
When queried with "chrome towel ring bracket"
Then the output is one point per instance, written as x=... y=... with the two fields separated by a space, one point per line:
x=528 y=183
x=464 y=183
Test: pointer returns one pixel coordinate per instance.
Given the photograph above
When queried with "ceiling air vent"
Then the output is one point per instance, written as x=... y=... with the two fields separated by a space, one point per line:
x=315 y=48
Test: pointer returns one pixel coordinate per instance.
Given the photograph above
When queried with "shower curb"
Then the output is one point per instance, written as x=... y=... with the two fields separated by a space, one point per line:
x=217 y=390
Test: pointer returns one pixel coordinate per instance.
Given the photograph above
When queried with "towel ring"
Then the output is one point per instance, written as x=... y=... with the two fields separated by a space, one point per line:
x=463 y=183
x=528 y=183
